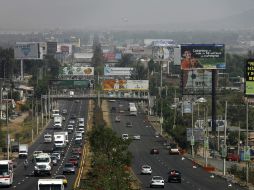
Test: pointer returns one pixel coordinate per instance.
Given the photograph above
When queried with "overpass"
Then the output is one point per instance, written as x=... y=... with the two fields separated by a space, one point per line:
x=87 y=95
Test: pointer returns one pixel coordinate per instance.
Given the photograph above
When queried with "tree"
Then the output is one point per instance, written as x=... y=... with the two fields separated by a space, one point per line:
x=139 y=72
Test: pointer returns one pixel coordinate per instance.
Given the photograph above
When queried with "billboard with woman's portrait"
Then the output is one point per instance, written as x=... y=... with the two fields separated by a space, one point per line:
x=202 y=56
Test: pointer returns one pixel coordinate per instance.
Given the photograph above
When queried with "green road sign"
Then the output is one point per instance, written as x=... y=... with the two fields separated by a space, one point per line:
x=224 y=151
x=246 y=153
x=206 y=143
x=192 y=141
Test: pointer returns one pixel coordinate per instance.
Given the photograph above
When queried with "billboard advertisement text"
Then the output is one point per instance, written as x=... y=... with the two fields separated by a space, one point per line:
x=77 y=71
x=249 y=77
x=27 y=50
x=117 y=71
x=125 y=85
x=203 y=56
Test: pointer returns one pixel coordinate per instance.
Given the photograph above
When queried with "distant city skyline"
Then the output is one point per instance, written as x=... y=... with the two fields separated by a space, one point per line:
x=114 y=14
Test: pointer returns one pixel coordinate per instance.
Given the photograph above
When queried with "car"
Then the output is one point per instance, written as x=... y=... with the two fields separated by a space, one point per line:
x=146 y=169
x=129 y=124
x=64 y=111
x=174 y=149
x=70 y=128
x=57 y=155
x=157 y=181
x=174 y=176
x=63 y=118
x=73 y=160
x=154 y=151
x=125 y=136
x=117 y=118
x=77 y=150
x=36 y=153
x=113 y=109
x=68 y=168
x=73 y=116
x=54 y=160
x=76 y=155
x=72 y=121
x=77 y=101
x=233 y=157
x=111 y=100
x=136 y=137
x=63 y=177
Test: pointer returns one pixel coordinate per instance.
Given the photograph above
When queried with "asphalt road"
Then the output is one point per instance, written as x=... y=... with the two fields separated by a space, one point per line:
x=24 y=179
x=192 y=178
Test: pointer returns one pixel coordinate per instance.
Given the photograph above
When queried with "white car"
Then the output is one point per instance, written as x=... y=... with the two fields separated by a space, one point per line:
x=146 y=169
x=70 y=128
x=157 y=181
x=125 y=136
x=136 y=137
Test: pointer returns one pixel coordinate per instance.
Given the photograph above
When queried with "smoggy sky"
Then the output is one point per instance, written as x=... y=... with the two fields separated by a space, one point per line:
x=96 y=14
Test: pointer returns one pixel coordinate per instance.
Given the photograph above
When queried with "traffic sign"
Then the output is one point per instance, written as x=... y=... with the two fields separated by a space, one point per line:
x=192 y=141
x=224 y=151
x=246 y=153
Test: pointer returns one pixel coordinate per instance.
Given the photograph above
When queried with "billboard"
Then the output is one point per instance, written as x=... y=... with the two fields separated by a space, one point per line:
x=70 y=83
x=74 y=71
x=117 y=71
x=249 y=77
x=125 y=85
x=196 y=81
x=27 y=50
x=109 y=56
x=203 y=56
x=197 y=133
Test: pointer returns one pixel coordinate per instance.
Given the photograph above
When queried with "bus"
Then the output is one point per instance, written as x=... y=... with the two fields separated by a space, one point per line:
x=50 y=184
x=132 y=108
x=6 y=173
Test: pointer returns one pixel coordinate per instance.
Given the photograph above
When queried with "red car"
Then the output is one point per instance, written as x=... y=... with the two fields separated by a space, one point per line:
x=77 y=150
x=233 y=157
x=74 y=161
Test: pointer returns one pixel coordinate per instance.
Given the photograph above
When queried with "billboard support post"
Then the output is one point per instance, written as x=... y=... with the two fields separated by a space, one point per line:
x=214 y=72
x=22 y=69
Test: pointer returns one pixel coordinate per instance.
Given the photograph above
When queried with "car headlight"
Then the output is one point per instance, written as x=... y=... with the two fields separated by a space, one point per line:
x=36 y=167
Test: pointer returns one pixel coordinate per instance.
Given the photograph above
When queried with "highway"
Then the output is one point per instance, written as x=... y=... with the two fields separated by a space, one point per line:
x=192 y=178
x=24 y=179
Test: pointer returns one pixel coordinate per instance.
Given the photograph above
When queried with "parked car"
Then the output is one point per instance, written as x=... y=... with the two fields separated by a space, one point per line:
x=174 y=176
x=136 y=137
x=129 y=124
x=125 y=136
x=233 y=157
x=157 y=181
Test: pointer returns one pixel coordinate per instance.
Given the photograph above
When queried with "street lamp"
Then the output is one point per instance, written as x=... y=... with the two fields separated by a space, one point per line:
x=206 y=142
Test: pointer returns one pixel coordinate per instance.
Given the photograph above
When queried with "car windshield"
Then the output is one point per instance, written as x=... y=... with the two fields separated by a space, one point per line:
x=68 y=165
x=157 y=178
x=42 y=159
x=4 y=170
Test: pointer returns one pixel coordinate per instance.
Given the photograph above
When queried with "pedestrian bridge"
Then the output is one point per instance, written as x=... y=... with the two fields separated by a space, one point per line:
x=95 y=96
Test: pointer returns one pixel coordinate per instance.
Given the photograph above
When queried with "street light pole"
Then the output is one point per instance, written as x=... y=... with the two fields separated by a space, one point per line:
x=247 y=139
x=192 y=133
x=225 y=139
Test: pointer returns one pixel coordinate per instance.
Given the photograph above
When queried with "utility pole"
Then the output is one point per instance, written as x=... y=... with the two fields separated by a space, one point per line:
x=8 y=131
x=192 y=132
x=225 y=139
x=247 y=140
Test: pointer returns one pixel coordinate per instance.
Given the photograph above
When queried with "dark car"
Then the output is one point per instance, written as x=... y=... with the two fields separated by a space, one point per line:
x=129 y=124
x=73 y=160
x=154 y=151
x=69 y=168
x=174 y=176
x=113 y=109
x=77 y=150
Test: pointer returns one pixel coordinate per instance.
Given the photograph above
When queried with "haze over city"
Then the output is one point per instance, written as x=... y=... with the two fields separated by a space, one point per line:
x=29 y=15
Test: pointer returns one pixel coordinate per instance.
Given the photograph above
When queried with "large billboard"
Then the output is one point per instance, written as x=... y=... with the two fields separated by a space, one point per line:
x=77 y=71
x=198 y=134
x=203 y=56
x=249 y=77
x=196 y=81
x=117 y=71
x=109 y=56
x=125 y=85
x=27 y=50
x=70 y=83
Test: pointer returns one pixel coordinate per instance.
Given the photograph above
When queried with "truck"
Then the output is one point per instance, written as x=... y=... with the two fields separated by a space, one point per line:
x=58 y=122
x=23 y=150
x=133 y=109
x=47 y=138
x=42 y=164
x=6 y=173
x=50 y=184
x=65 y=133
x=60 y=139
